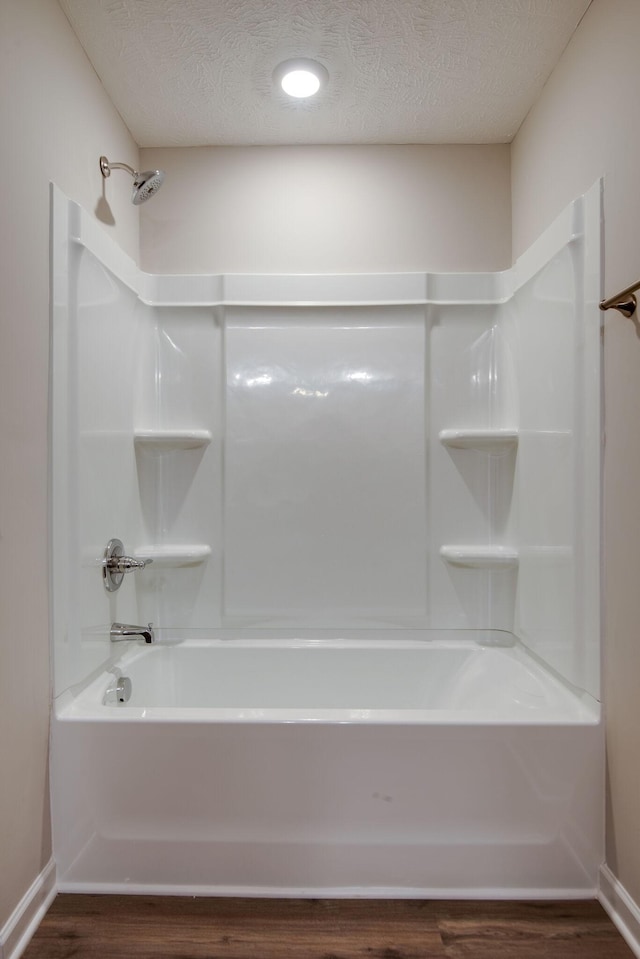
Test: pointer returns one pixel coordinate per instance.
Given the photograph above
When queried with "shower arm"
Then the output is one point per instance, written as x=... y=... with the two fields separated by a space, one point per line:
x=106 y=167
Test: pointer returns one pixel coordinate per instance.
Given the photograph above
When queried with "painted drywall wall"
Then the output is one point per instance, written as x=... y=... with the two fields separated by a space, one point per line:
x=56 y=120
x=582 y=128
x=328 y=209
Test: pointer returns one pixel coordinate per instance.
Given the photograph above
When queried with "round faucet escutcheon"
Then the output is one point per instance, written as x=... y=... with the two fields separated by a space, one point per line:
x=115 y=564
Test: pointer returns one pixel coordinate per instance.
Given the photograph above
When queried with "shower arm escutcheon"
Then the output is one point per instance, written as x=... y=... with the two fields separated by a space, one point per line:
x=115 y=564
x=106 y=167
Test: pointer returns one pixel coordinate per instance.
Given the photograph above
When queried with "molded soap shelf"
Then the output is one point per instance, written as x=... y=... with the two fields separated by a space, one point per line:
x=168 y=441
x=175 y=555
x=480 y=557
x=487 y=441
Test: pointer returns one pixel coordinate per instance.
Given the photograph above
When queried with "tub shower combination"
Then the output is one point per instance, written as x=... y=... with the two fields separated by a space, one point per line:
x=327 y=621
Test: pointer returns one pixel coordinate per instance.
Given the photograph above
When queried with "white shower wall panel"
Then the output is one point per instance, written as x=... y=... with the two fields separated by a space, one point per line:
x=472 y=372
x=106 y=334
x=557 y=356
x=470 y=491
x=325 y=467
x=183 y=387
x=181 y=489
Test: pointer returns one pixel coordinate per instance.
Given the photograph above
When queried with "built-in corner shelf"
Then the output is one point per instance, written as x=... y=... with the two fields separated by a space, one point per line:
x=486 y=441
x=480 y=557
x=169 y=441
x=191 y=554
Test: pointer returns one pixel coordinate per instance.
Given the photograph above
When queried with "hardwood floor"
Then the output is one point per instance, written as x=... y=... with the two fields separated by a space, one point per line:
x=154 y=927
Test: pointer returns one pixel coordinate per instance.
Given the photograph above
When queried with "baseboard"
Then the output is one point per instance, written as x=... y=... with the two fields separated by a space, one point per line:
x=623 y=910
x=26 y=917
x=505 y=893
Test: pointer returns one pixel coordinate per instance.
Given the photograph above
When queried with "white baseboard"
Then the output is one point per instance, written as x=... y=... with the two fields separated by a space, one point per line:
x=623 y=910
x=26 y=917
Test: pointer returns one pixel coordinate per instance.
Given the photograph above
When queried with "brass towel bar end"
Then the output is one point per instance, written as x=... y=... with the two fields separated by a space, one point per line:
x=625 y=301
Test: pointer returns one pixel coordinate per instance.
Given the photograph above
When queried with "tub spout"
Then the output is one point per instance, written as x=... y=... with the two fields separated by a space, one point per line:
x=121 y=632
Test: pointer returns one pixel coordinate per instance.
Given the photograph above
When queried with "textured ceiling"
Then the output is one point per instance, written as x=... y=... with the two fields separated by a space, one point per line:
x=199 y=72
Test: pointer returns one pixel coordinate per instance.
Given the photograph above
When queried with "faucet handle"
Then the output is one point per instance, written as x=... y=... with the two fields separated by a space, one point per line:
x=124 y=564
x=115 y=564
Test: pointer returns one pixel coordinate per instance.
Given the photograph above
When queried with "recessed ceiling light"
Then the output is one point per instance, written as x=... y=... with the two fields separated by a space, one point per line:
x=300 y=78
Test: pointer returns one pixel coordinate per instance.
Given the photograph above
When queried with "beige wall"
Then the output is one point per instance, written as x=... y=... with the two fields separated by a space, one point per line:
x=56 y=120
x=583 y=126
x=328 y=209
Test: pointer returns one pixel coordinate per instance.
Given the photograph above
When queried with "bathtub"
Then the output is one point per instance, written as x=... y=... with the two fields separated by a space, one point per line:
x=440 y=768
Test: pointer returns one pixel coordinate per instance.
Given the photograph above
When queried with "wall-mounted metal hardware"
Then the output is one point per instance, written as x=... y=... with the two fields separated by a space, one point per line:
x=145 y=184
x=115 y=564
x=625 y=301
x=119 y=691
x=123 y=631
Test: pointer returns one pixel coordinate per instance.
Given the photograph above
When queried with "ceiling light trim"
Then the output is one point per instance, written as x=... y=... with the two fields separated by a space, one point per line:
x=303 y=66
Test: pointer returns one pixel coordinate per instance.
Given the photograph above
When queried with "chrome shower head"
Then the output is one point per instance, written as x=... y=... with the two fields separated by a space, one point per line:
x=144 y=184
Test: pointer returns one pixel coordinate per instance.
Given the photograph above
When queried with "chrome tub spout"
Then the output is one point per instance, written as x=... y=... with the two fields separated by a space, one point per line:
x=121 y=632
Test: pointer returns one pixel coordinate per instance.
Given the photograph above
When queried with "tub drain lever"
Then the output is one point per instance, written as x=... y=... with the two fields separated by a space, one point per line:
x=115 y=564
x=119 y=691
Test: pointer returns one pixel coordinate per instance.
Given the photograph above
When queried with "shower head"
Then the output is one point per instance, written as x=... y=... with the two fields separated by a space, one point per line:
x=144 y=184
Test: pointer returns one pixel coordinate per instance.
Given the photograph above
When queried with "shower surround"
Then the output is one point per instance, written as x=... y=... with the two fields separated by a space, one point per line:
x=372 y=505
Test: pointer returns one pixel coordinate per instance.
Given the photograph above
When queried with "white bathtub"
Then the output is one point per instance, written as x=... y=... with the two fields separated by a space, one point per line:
x=396 y=681
x=408 y=768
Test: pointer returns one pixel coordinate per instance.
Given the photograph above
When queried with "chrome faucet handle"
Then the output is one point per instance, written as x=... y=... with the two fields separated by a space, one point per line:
x=115 y=564
x=124 y=564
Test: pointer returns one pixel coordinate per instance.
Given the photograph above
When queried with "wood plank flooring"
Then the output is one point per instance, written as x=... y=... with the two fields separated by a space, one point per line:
x=155 y=927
